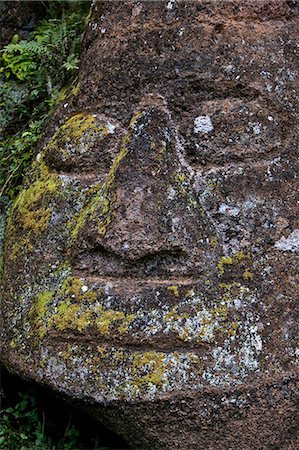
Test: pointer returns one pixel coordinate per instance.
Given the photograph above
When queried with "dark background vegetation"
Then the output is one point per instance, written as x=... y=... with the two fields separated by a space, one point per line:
x=35 y=418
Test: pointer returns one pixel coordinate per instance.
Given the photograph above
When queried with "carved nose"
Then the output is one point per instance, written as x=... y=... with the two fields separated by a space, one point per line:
x=146 y=206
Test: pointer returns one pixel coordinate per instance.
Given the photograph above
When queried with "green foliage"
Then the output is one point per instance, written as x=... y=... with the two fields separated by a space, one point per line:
x=41 y=60
x=21 y=427
x=33 y=74
x=25 y=427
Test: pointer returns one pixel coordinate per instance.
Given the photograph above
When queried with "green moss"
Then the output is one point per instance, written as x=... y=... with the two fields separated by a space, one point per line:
x=74 y=129
x=109 y=319
x=76 y=136
x=34 y=217
x=72 y=288
x=76 y=317
x=76 y=311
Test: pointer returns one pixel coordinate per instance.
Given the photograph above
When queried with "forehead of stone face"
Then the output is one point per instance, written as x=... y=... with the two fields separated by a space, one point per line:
x=191 y=52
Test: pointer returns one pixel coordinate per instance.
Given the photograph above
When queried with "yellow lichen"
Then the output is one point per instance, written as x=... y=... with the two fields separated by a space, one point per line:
x=172 y=315
x=111 y=318
x=72 y=287
x=32 y=215
x=224 y=260
x=190 y=293
x=239 y=256
x=238 y=259
x=102 y=350
x=70 y=317
x=214 y=242
x=12 y=344
x=29 y=215
x=38 y=312
x=247 y=275
x=78 y=311
x=148 y=368
x=181 y=177
x=74 y=128
x=174 y=290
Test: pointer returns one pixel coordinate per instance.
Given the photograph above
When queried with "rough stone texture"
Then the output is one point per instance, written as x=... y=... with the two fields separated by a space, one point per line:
x=151 y=260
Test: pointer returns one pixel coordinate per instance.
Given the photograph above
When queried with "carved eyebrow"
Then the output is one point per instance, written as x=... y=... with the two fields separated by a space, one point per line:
x=213 y=90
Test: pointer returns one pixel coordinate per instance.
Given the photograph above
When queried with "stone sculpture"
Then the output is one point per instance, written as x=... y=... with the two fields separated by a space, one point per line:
x=151 y=259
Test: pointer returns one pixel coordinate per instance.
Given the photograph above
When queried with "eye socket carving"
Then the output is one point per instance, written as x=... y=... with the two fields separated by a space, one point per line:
x=84 y=142
x=233 y=130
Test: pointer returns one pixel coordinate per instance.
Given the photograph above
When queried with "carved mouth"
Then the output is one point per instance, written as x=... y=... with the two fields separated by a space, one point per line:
x=159 y=268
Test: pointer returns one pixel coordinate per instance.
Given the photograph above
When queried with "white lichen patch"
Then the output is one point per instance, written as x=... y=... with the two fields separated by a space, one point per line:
x=291 y=243
x=229 y=69
x=228 y=210
x=203 y=124
x=256 y=128
x=110 y=127
x=170 y=4
x=171 y=193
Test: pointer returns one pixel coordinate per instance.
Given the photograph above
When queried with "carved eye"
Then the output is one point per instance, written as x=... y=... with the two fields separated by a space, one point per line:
x=234 y=130
x=84 y=142
x=233 y=124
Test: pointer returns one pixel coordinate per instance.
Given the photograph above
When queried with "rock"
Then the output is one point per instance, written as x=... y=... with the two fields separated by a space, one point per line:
x=150 y=262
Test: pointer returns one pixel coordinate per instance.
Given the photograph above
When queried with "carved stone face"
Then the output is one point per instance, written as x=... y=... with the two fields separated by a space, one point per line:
x=124 y=266
x=147 y=253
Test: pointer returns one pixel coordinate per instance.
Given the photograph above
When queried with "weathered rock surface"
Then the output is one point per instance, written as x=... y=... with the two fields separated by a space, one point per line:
x=151 y=260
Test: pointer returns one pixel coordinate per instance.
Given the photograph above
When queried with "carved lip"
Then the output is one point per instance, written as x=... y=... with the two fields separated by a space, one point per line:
x=139 y=344
x=150 y=281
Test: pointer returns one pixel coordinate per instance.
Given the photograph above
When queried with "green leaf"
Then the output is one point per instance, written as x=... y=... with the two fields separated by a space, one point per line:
x=23 y=436
x=15 y=39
